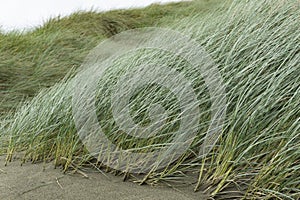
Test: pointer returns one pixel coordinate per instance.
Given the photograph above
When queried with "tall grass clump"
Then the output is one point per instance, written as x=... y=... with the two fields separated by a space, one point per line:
x=38 y=58
x=256 y=46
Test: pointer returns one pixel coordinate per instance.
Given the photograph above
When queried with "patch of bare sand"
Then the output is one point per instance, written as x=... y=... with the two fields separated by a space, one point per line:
x=42 y=181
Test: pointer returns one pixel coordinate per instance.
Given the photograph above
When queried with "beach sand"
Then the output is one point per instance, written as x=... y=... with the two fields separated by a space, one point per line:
x=42 y=181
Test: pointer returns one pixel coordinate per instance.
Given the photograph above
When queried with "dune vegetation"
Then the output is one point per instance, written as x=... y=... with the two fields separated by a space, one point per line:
x=255 y=45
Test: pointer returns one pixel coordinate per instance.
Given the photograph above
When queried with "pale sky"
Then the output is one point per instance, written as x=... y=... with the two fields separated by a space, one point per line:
x=24 y=14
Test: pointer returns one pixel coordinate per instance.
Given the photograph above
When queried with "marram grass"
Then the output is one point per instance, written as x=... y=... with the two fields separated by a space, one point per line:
x=38 y=58
x=256 y=47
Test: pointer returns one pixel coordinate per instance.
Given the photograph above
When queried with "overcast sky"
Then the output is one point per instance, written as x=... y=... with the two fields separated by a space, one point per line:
x=20 y=14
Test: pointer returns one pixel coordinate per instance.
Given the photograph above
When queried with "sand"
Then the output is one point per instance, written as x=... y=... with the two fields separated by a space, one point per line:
x=42 y=181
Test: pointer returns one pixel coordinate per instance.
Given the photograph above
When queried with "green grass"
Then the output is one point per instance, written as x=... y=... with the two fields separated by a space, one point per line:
x=39 y=58
x=256 y=47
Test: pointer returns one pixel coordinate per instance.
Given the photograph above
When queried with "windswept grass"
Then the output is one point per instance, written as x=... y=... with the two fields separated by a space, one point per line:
x=39 y=58
x=256 y=47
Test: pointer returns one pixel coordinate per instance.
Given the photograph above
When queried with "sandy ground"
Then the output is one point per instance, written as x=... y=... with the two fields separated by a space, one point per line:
x=31 y=181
